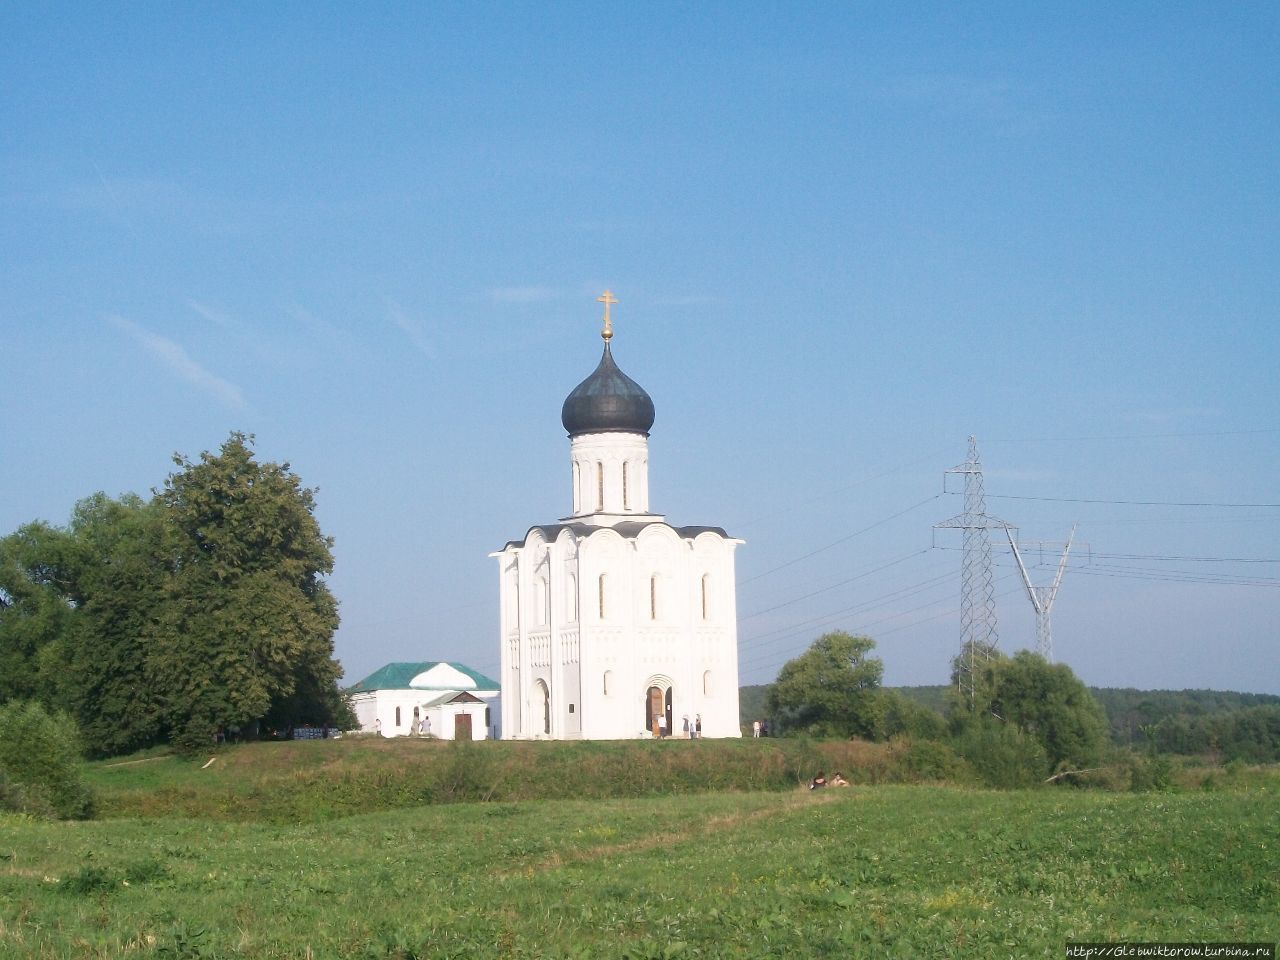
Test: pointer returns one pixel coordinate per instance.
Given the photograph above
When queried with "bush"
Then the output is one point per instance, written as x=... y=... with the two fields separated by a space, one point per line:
x=40 y=763
x=1150 y=773
x=1002 y=755
x=930 y=760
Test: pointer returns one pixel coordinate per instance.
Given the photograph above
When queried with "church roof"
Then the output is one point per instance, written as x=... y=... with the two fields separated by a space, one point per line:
x=428 y=675
x=608 y=401
x=627 y=529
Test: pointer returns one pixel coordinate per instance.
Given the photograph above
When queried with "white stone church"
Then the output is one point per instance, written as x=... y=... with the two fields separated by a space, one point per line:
x=613 y=621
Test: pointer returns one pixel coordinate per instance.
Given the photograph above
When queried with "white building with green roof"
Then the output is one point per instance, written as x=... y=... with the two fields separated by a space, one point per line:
x=440 y=699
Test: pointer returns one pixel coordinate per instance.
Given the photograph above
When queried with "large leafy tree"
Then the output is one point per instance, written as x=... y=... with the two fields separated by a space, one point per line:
x=204 y=607
x=35 y=611
x=832 y=689
x=1049 y=703
x=247 y=623
x=118 y=589
x=1043 y=701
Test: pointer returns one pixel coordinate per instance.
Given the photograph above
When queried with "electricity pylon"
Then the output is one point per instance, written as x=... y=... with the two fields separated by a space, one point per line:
x=1042 y=597
x=978 y=634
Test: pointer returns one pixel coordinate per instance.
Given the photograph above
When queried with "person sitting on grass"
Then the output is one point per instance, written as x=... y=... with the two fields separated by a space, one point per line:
x=838 y=780
x=819 y=781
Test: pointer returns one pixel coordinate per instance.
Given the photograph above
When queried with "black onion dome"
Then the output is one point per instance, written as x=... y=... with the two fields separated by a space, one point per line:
x=608 y=401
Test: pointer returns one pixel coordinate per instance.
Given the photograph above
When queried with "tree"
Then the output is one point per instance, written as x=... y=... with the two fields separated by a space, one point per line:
x=247 y=621
x=831 y=689
x=1049 y=703
x=973 y=679
x=902 y=716
x=34 y=609
x=118 y=588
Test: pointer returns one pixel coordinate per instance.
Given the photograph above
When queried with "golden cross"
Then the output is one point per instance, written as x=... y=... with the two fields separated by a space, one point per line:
x=607 y=299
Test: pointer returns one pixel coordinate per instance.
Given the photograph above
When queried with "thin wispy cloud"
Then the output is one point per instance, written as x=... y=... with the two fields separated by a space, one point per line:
x=412 y=330
x=177 y=361
x=529 y=294
x=213 y=316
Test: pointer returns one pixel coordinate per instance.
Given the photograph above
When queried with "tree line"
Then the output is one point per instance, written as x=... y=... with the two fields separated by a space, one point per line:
x=1014 y=720
x=1016 y=716
x=168 y=619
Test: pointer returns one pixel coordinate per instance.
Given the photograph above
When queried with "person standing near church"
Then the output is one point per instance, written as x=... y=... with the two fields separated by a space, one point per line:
x=755 y=729
x=697 y=727
x=662 y=726
x=687 y=734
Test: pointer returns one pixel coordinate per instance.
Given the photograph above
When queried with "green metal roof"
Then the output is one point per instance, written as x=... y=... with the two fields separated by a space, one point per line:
x=396 y=676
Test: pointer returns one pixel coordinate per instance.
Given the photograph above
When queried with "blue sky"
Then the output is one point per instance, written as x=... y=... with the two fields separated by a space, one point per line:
x=844 y=237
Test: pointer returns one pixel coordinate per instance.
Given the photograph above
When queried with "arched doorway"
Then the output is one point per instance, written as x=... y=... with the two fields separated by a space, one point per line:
x=546 y=707
x=657 y=702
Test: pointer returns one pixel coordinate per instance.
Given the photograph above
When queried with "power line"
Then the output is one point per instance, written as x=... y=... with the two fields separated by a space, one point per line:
x=836 y=543
x=794 y=630
x=771 y=636
x=863 y=627
x=1155 y=556
x=860 y=576
x=1133 y=503
x=1141 y=436
x=890 y=471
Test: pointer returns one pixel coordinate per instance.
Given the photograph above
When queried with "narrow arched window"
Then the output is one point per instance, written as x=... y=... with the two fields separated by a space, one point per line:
x=653 y=598
x=397 y=718
x=599 y=485
x=608 y=676
x=626 y=494
x=602 y=596
x=706 y=589
x=706 y=684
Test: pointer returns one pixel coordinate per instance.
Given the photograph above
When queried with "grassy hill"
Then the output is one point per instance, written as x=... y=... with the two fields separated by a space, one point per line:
x=310 y=780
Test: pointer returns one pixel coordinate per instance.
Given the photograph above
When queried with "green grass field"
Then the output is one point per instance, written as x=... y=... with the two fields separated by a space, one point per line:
x=868 y=871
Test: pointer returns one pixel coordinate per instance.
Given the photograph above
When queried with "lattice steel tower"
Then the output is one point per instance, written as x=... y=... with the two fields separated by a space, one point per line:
x=1042 y=597
x=978 y=634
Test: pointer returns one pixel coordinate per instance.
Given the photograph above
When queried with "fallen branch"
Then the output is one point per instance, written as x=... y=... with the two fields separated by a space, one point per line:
x=209 y=764
x=1067 y=773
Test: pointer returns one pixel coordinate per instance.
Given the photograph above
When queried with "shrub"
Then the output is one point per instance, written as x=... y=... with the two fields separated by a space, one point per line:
x=1150 y=773
x=40 y=763
x=1002 y=755
x=933 y=761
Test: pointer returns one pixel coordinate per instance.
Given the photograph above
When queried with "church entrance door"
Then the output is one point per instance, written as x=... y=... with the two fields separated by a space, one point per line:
x=462 y=726
x=653 y=708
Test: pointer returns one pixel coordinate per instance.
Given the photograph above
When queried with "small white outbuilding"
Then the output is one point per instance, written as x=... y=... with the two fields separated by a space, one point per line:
x=448 y=701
